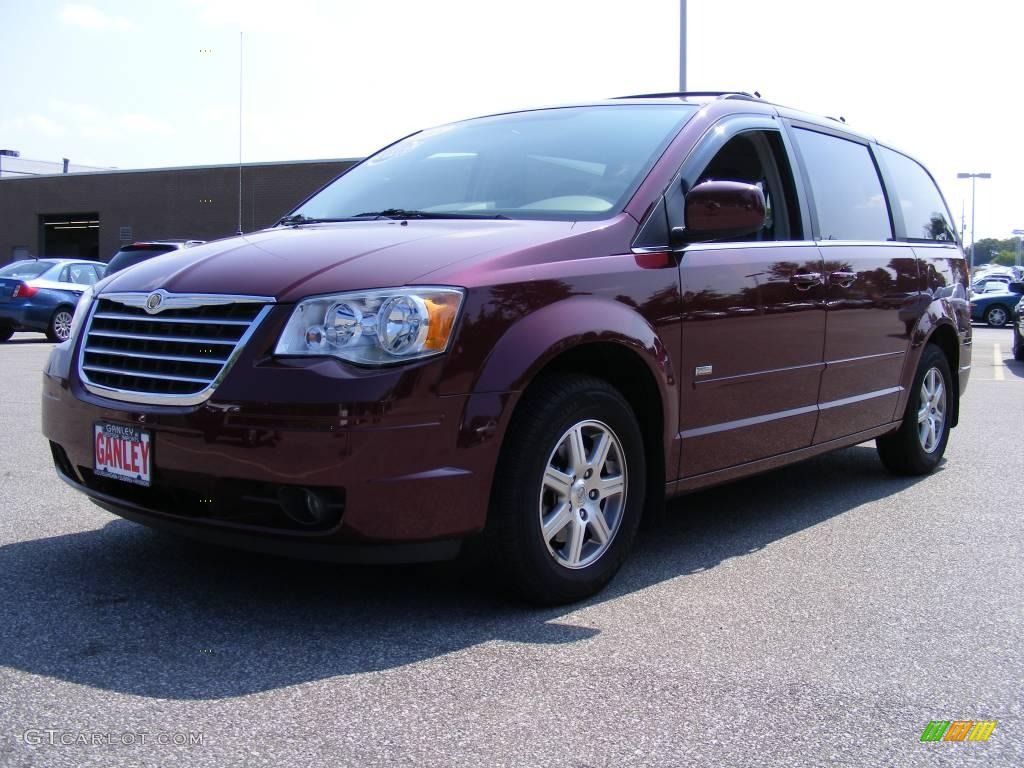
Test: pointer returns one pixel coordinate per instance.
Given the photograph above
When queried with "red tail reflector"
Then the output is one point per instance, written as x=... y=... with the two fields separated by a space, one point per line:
x=24 y=290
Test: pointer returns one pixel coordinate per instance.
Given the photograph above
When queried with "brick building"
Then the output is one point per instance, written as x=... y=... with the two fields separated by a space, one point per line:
x=90 y=215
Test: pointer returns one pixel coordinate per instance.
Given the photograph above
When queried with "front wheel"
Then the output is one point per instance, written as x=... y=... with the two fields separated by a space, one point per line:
x=60 y=325
x=996 y=316
x=917 y=446
x=6 y=331
x=569 y=490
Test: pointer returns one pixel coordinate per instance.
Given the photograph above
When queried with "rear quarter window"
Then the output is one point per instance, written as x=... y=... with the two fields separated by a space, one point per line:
x=925 y=215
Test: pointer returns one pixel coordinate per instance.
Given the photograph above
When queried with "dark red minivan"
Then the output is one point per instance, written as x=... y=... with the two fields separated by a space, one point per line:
x=524 y=329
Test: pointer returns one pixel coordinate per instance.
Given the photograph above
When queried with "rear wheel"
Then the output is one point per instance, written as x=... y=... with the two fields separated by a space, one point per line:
x=917 y=446
x=1018 y=344
x=6 y=331
x=996 y=316
x=60 y=324
x=569 y=491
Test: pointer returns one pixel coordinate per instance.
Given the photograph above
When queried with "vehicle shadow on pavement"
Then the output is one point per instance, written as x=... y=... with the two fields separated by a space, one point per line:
x=126 y=609
x=1016 y=367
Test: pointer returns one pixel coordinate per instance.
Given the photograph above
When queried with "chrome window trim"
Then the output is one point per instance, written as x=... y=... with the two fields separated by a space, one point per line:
x=753 y=244
x=863 y=243
x=187 y=302
x=651 y=249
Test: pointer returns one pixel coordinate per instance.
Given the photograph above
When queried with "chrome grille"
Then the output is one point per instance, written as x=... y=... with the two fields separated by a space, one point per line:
x=174 y=355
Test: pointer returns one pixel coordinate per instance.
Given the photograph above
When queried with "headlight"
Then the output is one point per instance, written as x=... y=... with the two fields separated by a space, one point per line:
x=373 y=327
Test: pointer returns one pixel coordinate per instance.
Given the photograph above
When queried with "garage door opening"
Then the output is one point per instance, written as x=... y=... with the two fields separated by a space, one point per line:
x=71 y=235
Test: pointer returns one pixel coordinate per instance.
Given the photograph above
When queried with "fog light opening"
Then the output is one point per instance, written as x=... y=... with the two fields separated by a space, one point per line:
x=309 y=508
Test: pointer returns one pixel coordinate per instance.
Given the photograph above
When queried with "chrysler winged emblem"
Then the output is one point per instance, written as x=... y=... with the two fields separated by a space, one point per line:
x=154 y=302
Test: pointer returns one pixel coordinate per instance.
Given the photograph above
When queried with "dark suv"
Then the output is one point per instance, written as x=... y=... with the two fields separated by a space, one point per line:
x=523 y=330
x=133 y=254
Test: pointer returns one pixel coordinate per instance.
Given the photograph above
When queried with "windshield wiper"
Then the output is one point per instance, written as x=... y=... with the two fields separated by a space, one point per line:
x=300 y=218
x=402 y=213
x=390 y=213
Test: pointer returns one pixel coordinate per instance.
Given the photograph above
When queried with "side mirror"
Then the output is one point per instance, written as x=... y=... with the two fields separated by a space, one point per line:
x=1017 y=288
x=723 y=209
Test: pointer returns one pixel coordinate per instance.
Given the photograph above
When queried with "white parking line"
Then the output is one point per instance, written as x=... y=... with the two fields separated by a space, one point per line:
x=997 y=362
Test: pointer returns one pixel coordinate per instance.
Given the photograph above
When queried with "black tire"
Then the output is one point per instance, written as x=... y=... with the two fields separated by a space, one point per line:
x=553 y=411
x=60 y=324
x=904 y=452
x=6 y=331
x=993 y=313
x=1018 y=345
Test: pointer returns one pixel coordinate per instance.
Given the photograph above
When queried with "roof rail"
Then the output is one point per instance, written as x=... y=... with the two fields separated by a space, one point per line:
x=672 y=94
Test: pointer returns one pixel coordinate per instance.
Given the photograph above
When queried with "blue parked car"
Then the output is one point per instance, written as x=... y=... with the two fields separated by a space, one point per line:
x=995 y=308
x=40 y=295
x=1018 y=331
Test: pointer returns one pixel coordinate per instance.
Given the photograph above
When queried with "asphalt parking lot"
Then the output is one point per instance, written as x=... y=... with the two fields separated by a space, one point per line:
x=819 y=615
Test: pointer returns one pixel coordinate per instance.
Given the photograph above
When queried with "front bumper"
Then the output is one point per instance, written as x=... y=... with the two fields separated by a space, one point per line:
x=407 y=467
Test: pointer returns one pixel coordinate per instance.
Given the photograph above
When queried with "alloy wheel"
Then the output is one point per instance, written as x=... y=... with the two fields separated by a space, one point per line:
x=583 y=494
x=62 y=325
x=997 y=317
x=931 y=414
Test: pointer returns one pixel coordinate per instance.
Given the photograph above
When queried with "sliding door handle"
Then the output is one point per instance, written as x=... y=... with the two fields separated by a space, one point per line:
x=806 y=280
x=842 y=279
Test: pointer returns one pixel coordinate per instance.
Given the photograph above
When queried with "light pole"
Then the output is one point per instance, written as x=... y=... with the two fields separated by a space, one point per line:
x=682 y=46
x=972 y=177
x=1018 y=233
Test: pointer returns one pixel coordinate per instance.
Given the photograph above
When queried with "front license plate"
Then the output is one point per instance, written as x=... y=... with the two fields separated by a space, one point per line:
x=123 y=453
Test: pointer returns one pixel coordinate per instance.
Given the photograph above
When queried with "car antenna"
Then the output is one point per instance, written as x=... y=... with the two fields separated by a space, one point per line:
x=240 y=42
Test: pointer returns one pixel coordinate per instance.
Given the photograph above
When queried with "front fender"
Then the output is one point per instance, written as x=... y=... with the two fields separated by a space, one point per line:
x=538 y=338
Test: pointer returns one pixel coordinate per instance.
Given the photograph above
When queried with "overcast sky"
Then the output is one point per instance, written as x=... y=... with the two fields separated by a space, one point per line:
x=150 y=84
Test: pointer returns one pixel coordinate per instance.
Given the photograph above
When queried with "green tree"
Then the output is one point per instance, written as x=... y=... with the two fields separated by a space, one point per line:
x=987 y=248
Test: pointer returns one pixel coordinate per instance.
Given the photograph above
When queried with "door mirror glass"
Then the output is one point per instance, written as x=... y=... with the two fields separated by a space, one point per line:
x=1017 y=288
x=724 y=209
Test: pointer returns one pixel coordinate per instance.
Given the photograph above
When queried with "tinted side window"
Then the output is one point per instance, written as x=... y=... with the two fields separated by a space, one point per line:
x=847 y=192
x=758 y=157
x=924 y=211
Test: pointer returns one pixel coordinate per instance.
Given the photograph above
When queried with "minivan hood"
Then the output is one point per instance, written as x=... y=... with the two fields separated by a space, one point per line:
x=288 y=263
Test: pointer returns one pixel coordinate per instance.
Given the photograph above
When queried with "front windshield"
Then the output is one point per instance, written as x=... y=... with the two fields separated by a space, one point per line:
x=569 y=163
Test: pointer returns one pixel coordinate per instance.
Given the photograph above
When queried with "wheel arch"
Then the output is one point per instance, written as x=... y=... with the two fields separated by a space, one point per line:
x=626 y=371
x=70 y=307
x=997 y=305
x=944 y=337
x=602 y=338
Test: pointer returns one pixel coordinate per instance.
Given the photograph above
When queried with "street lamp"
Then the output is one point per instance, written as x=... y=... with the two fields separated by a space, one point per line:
x=972 y=177
x=1018 y=233
x=682 y=46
